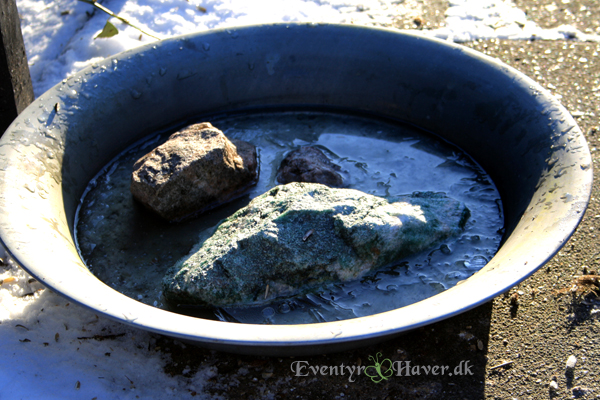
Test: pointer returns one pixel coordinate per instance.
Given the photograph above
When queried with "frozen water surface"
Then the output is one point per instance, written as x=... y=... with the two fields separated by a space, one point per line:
x=130 y=249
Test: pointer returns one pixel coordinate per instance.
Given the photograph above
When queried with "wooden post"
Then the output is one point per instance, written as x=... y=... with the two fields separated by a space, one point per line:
x=16 y=91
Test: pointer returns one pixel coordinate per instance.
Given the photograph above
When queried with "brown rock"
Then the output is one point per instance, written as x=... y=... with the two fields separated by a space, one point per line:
x=198 y=168
x=309 y=164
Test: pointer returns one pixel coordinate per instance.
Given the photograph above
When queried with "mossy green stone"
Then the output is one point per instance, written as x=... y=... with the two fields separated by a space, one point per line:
x=303 y=235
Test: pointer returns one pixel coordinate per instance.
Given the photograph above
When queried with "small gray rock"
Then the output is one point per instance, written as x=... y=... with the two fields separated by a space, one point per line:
x=303 y=235
x=309 y=164
x=198 y=168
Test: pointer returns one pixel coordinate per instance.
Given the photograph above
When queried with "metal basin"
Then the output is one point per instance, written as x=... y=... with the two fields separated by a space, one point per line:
x=527 y=142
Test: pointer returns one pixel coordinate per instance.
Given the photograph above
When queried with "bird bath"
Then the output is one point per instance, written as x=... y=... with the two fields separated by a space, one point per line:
x=520 y=135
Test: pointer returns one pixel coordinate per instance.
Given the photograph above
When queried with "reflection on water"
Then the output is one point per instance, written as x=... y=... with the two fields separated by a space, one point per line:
x=130 y=249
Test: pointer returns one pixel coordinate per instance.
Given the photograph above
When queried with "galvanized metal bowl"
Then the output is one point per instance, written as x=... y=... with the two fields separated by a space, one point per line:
x=527 y=142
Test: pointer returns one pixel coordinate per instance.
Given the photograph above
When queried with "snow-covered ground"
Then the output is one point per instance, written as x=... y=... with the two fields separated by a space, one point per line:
x=60 y=35
x=49 y=348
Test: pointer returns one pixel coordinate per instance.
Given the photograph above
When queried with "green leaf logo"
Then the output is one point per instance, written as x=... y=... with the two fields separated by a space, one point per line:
x=375 y=372
x=109 y=31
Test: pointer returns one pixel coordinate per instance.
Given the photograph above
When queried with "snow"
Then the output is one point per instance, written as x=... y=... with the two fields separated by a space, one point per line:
x=59 y=35
x=48 y=347
x=47 y=341
x=468 y=20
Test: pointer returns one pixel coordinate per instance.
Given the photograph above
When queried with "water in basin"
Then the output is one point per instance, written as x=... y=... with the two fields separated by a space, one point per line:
x=129 y=248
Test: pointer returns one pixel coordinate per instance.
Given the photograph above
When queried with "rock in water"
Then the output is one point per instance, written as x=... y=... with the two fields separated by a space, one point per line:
x=302 y=235
x=196 y=169
x=309 y=164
